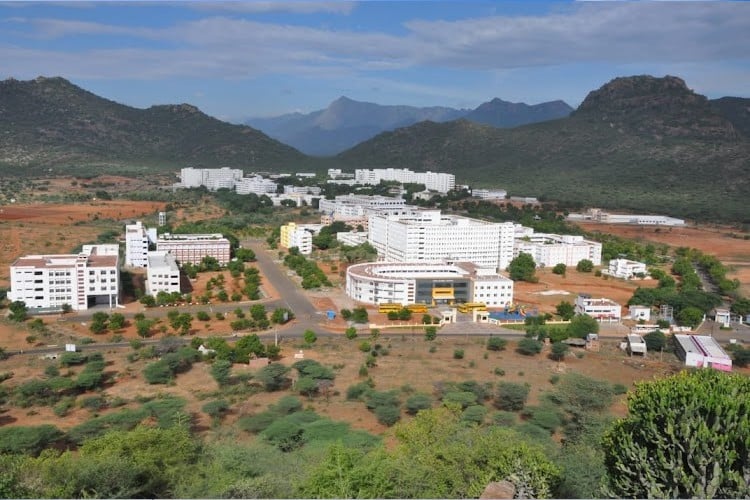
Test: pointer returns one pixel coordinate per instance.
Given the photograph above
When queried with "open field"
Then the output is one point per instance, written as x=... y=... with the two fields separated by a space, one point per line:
x=59 y=228
x=409 y=363
x=710 y=240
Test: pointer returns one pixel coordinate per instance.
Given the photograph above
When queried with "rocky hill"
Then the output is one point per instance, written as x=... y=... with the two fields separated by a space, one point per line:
x=49 y=123
x=639 y=143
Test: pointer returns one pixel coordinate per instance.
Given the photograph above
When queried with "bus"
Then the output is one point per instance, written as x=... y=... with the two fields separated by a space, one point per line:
x=472 y=306
x=387 y=307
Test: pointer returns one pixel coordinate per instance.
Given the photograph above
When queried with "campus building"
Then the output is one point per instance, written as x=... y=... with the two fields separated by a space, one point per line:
x=256 y=185
x=163 y=274
x=352 y=206
x=489 y=194
x=701 y=351
x=432 y=180
x=598 y=215
x=427 y=235
x=548 y=250
x=47 y=282
x=431 y=283
x=211 y=178
x=137 y=241
x=600 y=309
x=294 y=235
x=193 y=247
x=627 y=269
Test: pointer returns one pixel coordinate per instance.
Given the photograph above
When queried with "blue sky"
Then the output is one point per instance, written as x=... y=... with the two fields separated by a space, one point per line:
x=236 y=60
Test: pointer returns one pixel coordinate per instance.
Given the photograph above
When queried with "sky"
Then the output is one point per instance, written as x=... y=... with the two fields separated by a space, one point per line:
x=236 y=60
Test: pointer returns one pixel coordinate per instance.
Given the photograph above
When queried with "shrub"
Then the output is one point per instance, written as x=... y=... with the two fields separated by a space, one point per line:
x=511 y=396
x=458 y=354
x=221 y=371
x=72 y=358
x=496 y=344
x=351 y=333
x=287 y=405
x=504 y=418
x=273 y=376
x=474 y=414
x=356 y=391
x=28 y=440
x=418 y=401
x=93 y=403
x=430 y=333
x=544 y=417
x=216 y=409
x=158 y=372
x=364 y=346
x=585 y=266
x=529 y=347
x=462 y=398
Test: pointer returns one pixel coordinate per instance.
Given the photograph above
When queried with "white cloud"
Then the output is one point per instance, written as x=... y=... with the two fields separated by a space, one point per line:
x=303 y=7
x=230 y=47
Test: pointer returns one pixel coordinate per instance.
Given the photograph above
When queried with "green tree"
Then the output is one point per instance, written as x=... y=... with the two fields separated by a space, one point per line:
x=351 y=333
x=655 y=341
x=558 y=351
x=584 y=266
x=565 y=310
x=273 y=376
x=581 y=325
x=523 y=268
x=690 y=316
x=18 y=311
x=309 y=337
x=560 y=269
x=116 y=321
x=686 y=436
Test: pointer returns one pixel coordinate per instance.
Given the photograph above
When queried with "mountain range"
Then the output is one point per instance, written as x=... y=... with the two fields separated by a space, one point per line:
x=346 y=122
x=641 y=143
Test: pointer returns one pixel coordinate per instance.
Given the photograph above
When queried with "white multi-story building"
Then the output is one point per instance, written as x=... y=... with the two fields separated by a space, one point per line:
x=290 y=189
x=548 y=250
x=626 y=269
x=426 y=235
x=356 y=205
x=489 y=194
x=702 y=351
x=598 y=215
x=256 y=185
x=431 y=283
x=193 y=247
x=81 y=280
x=163 y=274
x=294 y=235
x=434 y=181
x=137 y=240
x=212 y=178
x=599 y=309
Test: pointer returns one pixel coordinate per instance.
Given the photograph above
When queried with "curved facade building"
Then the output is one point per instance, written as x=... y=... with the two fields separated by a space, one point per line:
x=432 y=283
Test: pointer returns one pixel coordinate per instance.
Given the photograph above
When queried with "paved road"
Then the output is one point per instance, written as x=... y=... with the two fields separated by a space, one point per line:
x=276 y=275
